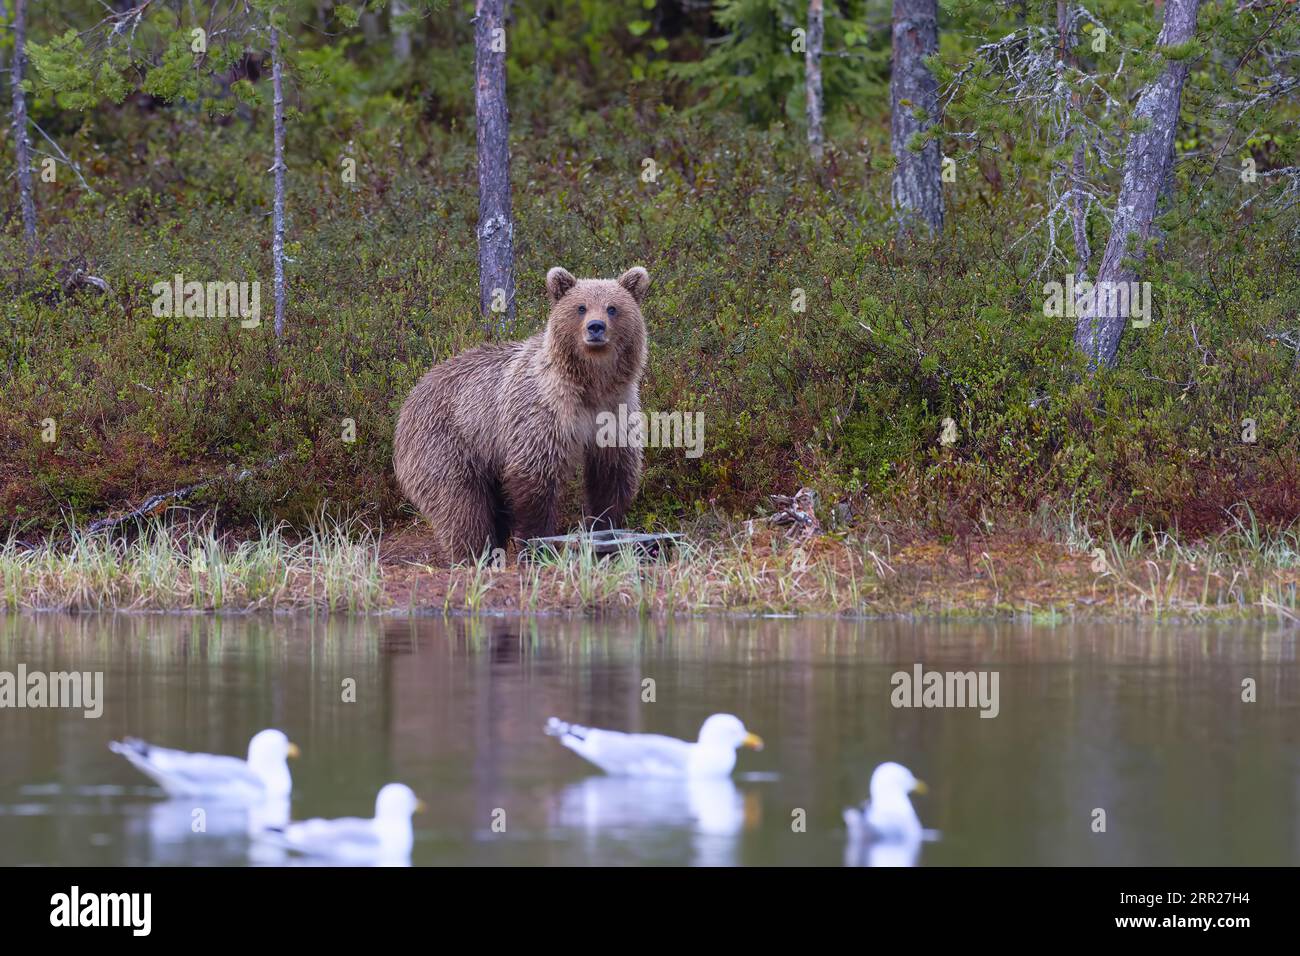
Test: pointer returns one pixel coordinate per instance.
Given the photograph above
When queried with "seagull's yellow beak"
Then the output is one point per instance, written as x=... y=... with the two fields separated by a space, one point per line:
x=752 y=741
x=920 y=787
x=420 y=806
x=293 y=751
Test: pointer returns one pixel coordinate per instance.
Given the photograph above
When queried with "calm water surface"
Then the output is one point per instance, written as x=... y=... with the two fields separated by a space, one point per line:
x=1146 y=723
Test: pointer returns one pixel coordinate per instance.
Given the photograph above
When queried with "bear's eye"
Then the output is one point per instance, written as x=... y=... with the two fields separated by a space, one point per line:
x=582 y=310
x=611 y=310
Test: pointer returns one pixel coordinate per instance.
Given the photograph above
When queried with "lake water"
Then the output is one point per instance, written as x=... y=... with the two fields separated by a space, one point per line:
x=1145 y=723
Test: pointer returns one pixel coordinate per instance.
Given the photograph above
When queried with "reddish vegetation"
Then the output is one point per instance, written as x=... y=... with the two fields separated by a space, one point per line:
x=1275 y=503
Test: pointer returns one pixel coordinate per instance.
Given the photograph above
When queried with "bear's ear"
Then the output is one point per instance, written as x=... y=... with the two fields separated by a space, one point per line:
x=637 y=281
x=558 y=282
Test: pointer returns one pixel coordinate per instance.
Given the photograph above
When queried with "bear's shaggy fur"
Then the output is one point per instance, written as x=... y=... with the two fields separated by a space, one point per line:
x=486 y=439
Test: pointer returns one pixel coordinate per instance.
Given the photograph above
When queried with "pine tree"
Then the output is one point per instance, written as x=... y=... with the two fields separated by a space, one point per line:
x=914 y=108
x=277 y=242
x=1148 y=164
x=813 y=79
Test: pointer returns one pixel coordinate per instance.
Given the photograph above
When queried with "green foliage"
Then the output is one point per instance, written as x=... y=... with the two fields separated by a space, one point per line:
x=756 y=69
x=175 y=75
x=62 y=66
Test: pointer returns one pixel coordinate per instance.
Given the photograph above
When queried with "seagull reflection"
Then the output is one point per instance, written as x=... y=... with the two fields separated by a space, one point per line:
x=196 y=832
x=646 y=814
x=859 y=851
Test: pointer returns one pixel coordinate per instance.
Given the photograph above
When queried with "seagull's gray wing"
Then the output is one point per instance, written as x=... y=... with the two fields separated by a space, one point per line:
x=182 y=773
x=647 y=755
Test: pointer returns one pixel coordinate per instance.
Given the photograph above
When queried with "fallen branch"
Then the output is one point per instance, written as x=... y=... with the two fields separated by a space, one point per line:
x=156 y=504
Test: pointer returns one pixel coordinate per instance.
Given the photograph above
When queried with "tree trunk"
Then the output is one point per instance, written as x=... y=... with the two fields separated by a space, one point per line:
x=813 y=79
x=401 y=35
x=22 y=140
x=1148 y=163
x=495 y=227
x=277 y=215
x=370 y=26
x=1076 y=171
x=918 y=190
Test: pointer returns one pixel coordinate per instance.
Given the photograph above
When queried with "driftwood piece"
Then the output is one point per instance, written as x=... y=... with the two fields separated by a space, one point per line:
x=604 y=543
x=73 y=277
x=797 y=514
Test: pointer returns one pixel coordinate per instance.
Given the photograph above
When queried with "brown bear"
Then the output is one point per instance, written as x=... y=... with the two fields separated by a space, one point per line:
x=486 y=439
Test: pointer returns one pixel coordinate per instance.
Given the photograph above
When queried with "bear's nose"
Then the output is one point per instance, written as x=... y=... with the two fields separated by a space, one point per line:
x=596 y=329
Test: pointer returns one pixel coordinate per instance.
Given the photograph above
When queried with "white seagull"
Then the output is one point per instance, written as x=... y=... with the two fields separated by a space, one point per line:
x=387 y=838
x=653 y=755
x=264 y=776
x=889 y=814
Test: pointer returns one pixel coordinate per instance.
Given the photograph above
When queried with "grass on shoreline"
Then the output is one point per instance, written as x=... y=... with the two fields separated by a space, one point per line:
x=1057 y=569
x=189 y=566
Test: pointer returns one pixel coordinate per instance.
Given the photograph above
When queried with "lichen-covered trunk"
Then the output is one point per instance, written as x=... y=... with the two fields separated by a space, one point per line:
x=4 y=18
x=918 y=189
x=401 y=33
x=813 y=78
x=370 y=26
x=1148 y=163
x=22 y=139
x=277 y=209
x=1076 y=170
x=496 y=229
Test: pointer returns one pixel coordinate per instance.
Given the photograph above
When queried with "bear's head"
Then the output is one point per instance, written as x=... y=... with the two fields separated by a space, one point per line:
x=595 y=327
